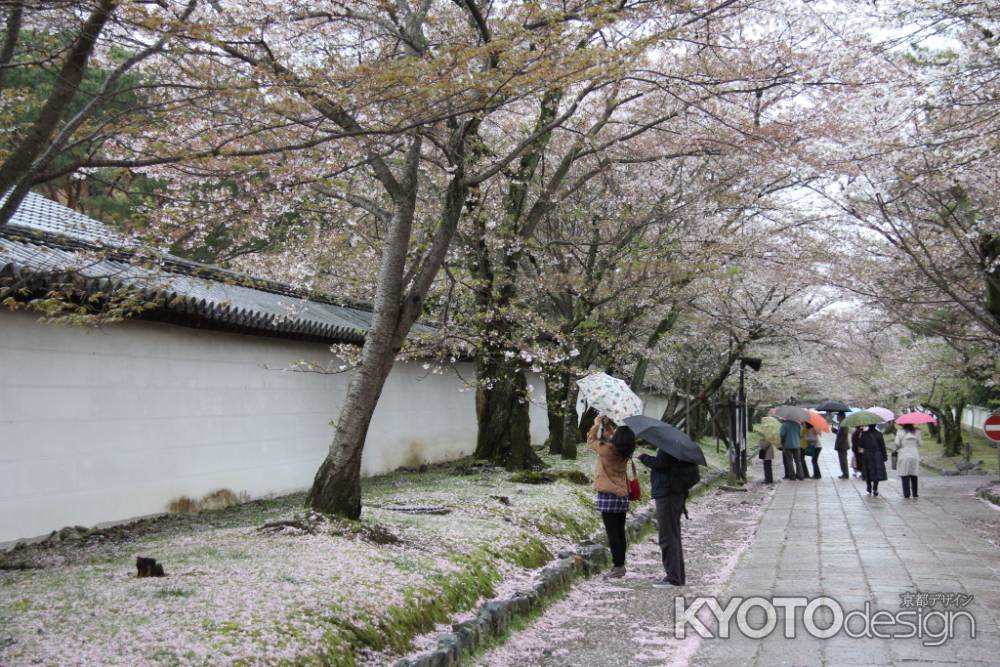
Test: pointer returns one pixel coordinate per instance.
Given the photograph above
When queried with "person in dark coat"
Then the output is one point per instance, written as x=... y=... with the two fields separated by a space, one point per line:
x=670 y=499
x=873 y=458
x=842 y=444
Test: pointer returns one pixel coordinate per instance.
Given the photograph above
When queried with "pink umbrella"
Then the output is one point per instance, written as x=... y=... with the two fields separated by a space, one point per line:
x=916 y=418
x=884 y=413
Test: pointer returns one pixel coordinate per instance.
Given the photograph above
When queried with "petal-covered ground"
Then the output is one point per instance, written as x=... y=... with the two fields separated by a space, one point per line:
x=626 y=621
x=237 y=595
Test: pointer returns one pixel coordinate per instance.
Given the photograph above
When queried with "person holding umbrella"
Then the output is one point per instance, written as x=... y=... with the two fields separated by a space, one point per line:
x=908 y=444
x=811 y=450
x=674 y=473
x=790 y=448
x=768 y=430
x=614 y=447
x=873 y=458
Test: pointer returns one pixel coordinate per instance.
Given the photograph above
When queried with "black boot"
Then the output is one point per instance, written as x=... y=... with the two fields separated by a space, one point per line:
x=913 y=486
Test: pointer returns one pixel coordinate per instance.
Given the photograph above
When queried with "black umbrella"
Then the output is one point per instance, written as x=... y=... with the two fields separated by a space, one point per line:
x=832 y=406
x=671 y=440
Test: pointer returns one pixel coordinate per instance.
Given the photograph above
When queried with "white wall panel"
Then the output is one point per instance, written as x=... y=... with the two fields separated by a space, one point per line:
x=106 y=425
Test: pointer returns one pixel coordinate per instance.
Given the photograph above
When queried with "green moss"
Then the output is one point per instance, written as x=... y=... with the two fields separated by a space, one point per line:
x=549 y=476
x=21 y=606
x=532 y=477
x=574 y=525
x=426 y=606
x=173 y=593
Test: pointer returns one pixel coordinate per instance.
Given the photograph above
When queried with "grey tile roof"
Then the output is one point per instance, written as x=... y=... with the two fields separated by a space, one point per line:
x=45 y=240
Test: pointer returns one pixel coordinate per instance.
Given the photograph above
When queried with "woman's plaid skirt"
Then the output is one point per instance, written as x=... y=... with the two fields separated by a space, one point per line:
x=608 y=502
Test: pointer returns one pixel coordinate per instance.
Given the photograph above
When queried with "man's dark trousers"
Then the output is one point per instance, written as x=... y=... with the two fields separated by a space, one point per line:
x=668 y=521
x=842 y=457
x=797 y=458
x=787 y=461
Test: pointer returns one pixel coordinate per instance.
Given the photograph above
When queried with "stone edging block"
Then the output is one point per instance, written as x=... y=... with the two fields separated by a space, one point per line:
x=986 y=493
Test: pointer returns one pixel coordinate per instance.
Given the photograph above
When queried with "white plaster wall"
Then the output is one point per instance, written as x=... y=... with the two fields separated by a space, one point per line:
x=537 y=410
x=106 y=425
x=975 y=416
x=653 y=405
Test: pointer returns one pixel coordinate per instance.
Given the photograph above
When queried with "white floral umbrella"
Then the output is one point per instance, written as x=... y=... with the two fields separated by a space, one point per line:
x=609 y=396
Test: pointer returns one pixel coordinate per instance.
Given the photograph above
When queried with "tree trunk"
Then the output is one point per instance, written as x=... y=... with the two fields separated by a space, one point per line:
x=336 y=488
x=36 y=139
x=952 y=432
x=555 y=393
x=570 y=424
x=502 y=413
x=990 y=248
x=935 y=431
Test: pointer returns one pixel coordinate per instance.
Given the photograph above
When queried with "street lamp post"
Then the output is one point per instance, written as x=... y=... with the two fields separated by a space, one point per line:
x=742 y=421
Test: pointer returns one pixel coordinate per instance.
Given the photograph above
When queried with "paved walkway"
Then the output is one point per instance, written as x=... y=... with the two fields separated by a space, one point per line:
x=814 y=538
x=828 y=537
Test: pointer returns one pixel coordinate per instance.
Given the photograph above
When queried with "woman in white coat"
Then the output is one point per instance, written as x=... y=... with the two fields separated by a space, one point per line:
x=908 y=445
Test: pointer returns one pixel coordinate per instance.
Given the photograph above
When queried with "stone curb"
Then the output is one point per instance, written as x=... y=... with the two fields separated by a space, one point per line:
x=986 y=493
x=948 y=472
x=494 y=617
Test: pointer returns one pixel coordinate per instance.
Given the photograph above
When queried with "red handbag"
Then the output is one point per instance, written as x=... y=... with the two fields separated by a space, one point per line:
x=634 y=490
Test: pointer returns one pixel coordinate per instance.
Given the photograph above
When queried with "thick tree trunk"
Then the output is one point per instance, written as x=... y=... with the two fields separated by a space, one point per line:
x=555 y=393
x=502 y=413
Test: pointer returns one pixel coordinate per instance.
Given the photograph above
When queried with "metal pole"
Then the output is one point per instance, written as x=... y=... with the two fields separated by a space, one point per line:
x=687 y=403
x=742 y=426
x=715 y=423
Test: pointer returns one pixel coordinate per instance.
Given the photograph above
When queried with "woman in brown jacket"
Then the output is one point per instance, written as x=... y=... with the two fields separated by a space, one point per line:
x=614 y=446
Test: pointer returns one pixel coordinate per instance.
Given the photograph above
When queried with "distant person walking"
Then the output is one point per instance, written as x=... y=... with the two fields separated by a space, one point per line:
x=842 y=444
x=873 y=458
x=908 y=444
x=614 y=447
x=790 y=451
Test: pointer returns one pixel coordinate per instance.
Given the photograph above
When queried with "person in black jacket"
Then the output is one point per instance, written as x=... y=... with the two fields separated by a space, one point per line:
x=669 y=492
x=873 y=458
x=842 y=445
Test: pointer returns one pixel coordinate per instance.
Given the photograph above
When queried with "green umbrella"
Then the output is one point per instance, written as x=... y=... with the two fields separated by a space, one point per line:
x=862 y=418
x=769 y=429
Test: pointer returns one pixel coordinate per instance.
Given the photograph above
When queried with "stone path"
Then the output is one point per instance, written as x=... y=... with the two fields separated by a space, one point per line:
x=814 y=538
x=828 y=537
x=627 y=622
